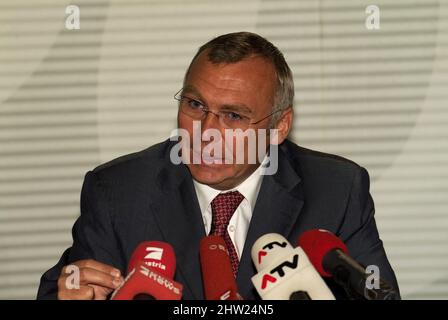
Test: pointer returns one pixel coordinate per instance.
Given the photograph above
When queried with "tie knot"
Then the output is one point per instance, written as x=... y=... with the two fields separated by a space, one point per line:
x=223 y=207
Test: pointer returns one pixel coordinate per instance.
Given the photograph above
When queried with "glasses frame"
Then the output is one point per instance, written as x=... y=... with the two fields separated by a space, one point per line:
x=206 y=110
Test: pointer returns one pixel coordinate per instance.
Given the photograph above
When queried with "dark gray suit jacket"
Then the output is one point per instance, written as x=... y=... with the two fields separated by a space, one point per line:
x=144 y=197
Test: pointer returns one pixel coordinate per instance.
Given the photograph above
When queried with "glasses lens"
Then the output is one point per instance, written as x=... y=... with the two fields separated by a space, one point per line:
x=191 y=107
x=233 y=120
x=195 y=109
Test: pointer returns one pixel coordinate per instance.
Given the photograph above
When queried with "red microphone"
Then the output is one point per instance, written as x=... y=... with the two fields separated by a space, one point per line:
x=150 y=272
x=330 y=257
x=157 y=255
x=317 y=243
x=218 y=280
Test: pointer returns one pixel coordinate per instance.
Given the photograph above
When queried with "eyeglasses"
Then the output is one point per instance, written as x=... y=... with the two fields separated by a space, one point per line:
x=197 y=110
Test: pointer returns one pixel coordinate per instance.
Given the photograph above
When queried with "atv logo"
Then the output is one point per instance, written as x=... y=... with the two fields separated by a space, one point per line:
x=268 y=247
x=272 y=244
x=280 y=271
x=261 y=254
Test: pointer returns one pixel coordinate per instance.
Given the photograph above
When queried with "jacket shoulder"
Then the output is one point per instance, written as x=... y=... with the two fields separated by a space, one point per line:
x=309 y=160
x=149 y=159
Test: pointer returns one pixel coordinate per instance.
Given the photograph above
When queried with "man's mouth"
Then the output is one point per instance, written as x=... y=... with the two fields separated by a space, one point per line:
x=206 y=159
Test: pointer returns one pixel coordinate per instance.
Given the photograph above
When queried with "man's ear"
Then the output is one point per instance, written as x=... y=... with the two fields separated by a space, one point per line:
x=284 y=124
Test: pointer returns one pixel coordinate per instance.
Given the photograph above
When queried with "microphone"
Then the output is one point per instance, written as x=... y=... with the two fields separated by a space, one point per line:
x=157 y=255
x=330 y=257
x=284 y=272
x=150 y=272
x=217 y=275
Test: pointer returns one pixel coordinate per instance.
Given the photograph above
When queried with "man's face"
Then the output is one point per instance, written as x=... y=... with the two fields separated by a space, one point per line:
x=248 y=85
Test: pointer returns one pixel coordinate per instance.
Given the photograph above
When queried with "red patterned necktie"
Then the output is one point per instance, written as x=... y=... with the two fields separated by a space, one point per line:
x=223 y=207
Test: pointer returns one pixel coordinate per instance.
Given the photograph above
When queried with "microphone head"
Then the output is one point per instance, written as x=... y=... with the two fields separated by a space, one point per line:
x=267 y=247
x=284 y=270
x=144 y=283
x=157 y=255
x=219 y=282
x=317 y=243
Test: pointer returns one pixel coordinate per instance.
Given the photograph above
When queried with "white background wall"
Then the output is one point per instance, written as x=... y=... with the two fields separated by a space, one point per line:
x=72 y=99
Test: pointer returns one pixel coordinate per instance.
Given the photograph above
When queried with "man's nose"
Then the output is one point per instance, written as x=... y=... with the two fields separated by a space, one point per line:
x=211 y=121
x=213 y=134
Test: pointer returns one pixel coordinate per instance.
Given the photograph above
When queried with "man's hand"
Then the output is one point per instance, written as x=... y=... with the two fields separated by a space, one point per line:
x=96 y=281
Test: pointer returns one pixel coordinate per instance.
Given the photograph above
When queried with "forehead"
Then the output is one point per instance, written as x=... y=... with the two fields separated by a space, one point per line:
x=252 y=80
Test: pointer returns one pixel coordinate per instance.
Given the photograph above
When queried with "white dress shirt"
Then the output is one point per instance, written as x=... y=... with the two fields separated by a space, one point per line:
x=239 y=223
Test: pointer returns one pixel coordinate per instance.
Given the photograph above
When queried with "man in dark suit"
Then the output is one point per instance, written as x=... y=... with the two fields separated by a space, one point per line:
x=236 y=81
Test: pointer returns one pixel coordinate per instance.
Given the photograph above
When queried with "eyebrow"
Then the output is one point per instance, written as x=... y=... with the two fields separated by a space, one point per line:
x=190 y=89
x=228 y=107
x=237 y=107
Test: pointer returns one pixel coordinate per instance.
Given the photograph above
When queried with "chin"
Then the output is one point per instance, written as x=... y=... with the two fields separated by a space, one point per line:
x=210 y=174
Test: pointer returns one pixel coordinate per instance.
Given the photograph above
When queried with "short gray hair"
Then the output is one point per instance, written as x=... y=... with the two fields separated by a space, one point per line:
x=234 y=47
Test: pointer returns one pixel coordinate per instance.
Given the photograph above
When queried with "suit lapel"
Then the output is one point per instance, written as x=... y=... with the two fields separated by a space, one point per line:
x=279 y=203
x=177 y=213
x=180 y=222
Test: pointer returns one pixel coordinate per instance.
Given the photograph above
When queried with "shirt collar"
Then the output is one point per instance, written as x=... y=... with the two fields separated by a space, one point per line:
x=249 y=188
